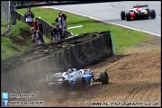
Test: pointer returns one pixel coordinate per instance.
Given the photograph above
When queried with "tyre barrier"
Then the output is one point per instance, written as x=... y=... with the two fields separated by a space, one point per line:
x=23 y=72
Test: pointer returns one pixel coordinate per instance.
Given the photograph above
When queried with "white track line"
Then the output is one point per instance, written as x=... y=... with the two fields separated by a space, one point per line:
x=102 y=21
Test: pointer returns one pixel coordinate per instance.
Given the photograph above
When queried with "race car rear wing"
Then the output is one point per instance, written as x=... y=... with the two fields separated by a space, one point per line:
x=141 y=6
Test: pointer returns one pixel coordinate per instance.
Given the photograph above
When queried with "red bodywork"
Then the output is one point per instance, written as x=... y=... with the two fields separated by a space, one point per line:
x=132 y=13
x=138 y=8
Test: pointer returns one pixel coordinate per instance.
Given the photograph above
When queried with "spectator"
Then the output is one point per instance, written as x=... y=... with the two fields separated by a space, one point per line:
x=56 y=33
x=58 y=21
x=29 y=15
x=37 y=37
x=63 y=22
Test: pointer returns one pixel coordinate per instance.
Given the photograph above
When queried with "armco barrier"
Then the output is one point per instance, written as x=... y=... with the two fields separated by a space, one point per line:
x=63 y=3
x=20 y=17
x=47 y=27
x=22 y=73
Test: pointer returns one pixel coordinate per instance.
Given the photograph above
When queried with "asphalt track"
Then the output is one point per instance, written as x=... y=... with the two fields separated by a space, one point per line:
x=109 y=12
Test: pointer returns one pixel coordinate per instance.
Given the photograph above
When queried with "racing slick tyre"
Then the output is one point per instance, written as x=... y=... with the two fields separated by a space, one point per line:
x=80 y=83
x=128 y=16
x=153 y=14
x=104 y=77
x=122 y=15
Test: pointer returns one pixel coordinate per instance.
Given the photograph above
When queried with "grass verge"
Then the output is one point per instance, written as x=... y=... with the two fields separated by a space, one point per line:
x=123 y=38
x=8 y=47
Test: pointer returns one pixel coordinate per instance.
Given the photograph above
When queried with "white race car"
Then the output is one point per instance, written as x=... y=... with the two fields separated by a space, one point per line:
x=78 y=79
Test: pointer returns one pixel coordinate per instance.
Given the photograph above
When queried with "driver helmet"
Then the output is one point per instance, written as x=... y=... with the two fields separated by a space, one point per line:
x=137 y=6
x=82 y=71
x=69 y=70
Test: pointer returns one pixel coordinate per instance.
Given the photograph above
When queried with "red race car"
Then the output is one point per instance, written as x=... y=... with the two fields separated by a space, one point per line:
x=138 y=12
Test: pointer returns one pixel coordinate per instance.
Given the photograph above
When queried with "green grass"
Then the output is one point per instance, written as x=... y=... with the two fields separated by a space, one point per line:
x=3 y=29
x=123 y=38
x=47 y=39
x=8 y=48
x=3 y=26
x=17 y=29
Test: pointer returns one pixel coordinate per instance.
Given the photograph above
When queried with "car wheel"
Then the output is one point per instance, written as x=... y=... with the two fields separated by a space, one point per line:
x=104 y=77
x=153 y=14
x=128 y=16
x=80 y=83
x=122 y=15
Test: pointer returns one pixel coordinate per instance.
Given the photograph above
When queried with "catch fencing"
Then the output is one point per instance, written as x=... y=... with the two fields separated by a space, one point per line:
x=5 y=13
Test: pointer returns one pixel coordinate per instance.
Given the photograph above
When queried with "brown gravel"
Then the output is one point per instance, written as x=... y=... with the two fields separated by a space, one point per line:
x=135 y=78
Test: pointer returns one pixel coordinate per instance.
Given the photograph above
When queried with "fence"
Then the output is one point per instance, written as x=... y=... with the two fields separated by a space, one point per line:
x=5 y=13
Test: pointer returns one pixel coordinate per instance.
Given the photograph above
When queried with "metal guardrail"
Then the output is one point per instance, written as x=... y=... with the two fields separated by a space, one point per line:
x=48 y=3
x=19 y=17
x=47 y=27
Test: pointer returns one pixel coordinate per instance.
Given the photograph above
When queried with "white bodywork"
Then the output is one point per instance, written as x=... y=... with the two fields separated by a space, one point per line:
x=140 y=9
x=70 y=75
